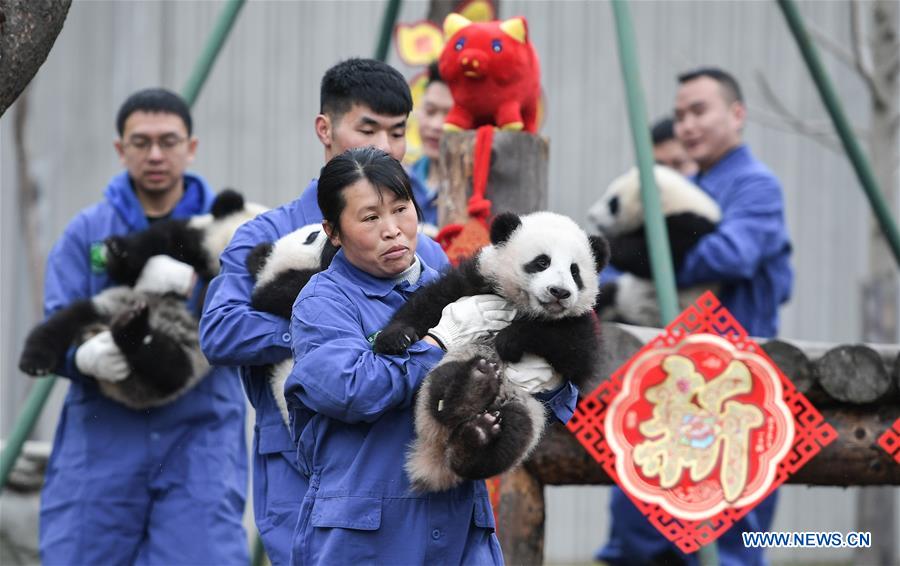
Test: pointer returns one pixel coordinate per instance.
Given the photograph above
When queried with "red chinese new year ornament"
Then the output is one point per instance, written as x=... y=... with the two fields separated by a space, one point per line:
x=890 y=441
x=699 y=426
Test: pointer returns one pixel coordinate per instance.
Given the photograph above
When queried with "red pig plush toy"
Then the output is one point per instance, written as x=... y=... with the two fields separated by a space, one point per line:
x=493 y=72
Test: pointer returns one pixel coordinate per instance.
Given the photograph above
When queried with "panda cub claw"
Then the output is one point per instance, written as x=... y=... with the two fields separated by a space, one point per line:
x=486 y=380
x=37 y=361
x=481 y=430
x=395 y=340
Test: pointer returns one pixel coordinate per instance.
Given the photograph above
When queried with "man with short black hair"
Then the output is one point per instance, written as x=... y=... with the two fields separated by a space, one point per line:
x=363 y=103
x=163 y=485
x=667 y=149
x=748 y=254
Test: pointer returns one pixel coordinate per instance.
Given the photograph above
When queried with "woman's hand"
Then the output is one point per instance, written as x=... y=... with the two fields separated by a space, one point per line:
x=533 y=374
x=470 y=317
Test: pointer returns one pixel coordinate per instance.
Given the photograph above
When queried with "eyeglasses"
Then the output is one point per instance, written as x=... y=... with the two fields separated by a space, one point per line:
x=140 y=145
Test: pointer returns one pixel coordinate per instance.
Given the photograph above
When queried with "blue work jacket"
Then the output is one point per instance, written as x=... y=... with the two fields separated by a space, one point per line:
x=750 y=250
x=426 y=196
x=352 y=419
x=234 y=334
x=104 y=451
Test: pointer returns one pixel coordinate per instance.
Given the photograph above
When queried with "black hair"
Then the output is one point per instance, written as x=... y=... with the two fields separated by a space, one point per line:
x=154 y=100
x=730 y=87
x=364 y=81
x=434 y=74
x=374 y=165
x=662 y=131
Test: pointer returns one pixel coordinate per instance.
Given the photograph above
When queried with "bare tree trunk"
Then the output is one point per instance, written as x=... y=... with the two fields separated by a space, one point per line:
x=28 y=29
x=440 y=9
x=876 y=510
x=28 y=208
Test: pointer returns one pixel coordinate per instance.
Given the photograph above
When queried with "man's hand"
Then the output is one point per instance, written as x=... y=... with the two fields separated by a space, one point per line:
x=163 y=274
x=99 y=357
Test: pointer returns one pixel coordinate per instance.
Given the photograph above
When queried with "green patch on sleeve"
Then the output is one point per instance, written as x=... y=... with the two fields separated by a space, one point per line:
x=98 y=257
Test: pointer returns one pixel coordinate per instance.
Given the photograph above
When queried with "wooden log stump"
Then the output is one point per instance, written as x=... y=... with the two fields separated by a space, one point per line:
x=521 y=528
x=853 y=373
x=517 y=181
x=897 y=373
x=795 y=364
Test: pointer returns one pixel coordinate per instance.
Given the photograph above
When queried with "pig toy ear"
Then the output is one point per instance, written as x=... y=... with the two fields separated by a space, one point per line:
x=453 y=23
x=516 y=28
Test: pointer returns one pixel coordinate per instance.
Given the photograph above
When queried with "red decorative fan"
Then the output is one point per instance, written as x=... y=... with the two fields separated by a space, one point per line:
x=699 y=426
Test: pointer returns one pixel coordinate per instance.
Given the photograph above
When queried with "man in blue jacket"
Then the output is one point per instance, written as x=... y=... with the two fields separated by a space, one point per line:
x=748 y=253
x=363 y=102
x=163 y=485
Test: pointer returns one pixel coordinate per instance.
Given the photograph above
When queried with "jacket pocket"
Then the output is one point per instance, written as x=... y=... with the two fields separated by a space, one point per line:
x=360 y=513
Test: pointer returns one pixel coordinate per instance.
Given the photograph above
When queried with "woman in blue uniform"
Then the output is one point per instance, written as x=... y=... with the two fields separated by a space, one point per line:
x=351 y=409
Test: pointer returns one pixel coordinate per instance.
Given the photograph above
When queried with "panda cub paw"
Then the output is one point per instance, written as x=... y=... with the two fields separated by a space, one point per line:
x=395 y=339
x=508 y=345
x=131 y=327
x=482 y=430
x=38 y=359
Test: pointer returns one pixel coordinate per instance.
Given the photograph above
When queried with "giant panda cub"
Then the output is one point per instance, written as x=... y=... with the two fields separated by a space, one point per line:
x=471 y=422
x=156 y=333
x=280 y=270
x=689 y=213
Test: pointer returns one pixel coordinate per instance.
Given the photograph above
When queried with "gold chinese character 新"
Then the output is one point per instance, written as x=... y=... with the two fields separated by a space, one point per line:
x=693 y=421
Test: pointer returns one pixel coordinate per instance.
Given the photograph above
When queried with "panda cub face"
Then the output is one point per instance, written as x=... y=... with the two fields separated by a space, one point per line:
x=218 y=226
x=544 y=264
x=620 y=210
x=299 y=250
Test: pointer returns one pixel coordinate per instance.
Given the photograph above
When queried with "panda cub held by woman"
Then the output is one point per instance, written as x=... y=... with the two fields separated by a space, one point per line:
x=471 y=421
x=156 y=333
x=689 y=214
x=280 y=269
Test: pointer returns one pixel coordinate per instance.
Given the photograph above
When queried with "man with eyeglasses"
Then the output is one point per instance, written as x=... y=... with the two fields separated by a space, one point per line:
x=158 y=486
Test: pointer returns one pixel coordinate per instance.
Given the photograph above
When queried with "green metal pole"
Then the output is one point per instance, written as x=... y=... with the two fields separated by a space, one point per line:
x=211 y=50
x=37 y=397
x=34 y=404
x=660 y=254
x=835 y=110
x=387 y=29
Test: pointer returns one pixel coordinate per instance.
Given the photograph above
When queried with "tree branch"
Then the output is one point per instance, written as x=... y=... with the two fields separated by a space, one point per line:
x=783 y=119
x=830 y=44
x=862 y=63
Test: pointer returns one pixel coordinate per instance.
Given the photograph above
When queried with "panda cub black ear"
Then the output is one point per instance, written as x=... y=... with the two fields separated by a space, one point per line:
x=600 y=248
x=227 y=202
x=503 y=227
x=257 y=258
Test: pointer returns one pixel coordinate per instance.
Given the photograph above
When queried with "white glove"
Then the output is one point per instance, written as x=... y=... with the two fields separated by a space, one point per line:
x=99 y=357
x=533 y=374
x=468 y=318
x=163 y=274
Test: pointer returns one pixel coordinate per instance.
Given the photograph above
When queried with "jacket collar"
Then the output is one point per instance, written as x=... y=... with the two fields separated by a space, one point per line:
x=725 y=164
x=197 y=199
x=376 y=287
